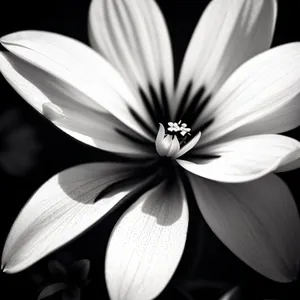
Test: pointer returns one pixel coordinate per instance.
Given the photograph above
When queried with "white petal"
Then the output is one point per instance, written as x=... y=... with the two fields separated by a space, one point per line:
x=283 y=119
x=60 y=210
x=191 y=144
x=146 y=244
x=80 y=67
x=291 y=162
x=159 y=145
x=228 y=34
x=244 y=159
x=258 y=221
x=133 y=36
x=265 y=85
x=64 y=106
x=174 y=147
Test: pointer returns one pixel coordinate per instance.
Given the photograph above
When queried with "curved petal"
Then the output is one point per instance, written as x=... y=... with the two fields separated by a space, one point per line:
x=80 y=270
x=69 y=109
x=152 y=235
x=245 y=159
x=291 y=162
x=228 y=34
x=133 y=36
x=83 y=69
x=265 y=87
x=159 y=142
x=60 y=210
x=258 y=221
x=283 y=119
x=190 y=145
x=52 y=289
x=72 y=294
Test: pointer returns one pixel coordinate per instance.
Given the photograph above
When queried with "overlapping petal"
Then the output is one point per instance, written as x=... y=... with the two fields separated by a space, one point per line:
x=258 y=221
x=190 y=145
x=146 y=244
x=87 y=98
x=133 y=36
x=228 y=34
x=69 y=109
x=262 y=96
x=78 y=66
x=244 y=159
x=60 y=210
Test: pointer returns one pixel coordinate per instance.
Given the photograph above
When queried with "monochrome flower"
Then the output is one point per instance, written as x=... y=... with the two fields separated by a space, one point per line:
x=231 y=93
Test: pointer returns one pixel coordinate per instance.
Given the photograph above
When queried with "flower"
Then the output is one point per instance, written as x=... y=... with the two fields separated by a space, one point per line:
x=234 y=96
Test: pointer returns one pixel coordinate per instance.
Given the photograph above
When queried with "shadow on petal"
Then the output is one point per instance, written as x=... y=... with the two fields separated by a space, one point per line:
x=169 y=193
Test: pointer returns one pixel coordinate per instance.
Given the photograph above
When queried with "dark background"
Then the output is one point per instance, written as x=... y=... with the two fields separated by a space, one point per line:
x=32 y=150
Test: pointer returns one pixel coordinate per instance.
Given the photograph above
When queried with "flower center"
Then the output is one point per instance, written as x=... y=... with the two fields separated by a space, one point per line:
x=173 y=143
x=179 y=130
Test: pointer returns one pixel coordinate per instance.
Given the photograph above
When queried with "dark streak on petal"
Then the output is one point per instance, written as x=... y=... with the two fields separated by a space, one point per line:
x=134 y=139
x=197 y=112
x=150 y=176
x=157 y=106
x=189 y=113
x=183 y=101
x=143 y=124
x=164 y=100
x=114 y=187
x=204 y=126
x=148 y=106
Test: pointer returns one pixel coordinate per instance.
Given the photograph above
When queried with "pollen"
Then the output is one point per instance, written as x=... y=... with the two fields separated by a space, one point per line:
x=179 y=127
x=170 y=145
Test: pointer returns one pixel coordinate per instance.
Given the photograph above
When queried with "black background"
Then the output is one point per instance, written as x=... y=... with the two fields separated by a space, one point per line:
x=207 y=265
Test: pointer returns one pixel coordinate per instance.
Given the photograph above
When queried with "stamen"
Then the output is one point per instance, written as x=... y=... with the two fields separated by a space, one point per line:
x=172 y=145
x=182 y=129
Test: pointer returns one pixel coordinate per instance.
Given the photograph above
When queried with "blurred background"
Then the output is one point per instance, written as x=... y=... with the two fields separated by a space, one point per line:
x=32 y=150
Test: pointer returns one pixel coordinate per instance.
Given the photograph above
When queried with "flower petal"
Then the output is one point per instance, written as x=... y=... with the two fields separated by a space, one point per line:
x=133 y=36
x=83 y=69
x=244 y=159
x=264 y=88
x=52 y=289
x=190 y=145
x=258 y=221
x=283 y=119
x=152 y=235
x=291 y=162
x=60 y=210
x=79 y=270
x=159 y=142
x=228 y=34
x=174 y=147
x=70 y=110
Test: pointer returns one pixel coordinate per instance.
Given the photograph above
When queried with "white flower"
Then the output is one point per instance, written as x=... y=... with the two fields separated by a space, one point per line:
x=231 y=93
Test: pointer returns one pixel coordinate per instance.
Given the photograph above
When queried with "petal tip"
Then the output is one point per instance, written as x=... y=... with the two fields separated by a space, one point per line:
x=8 y=38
